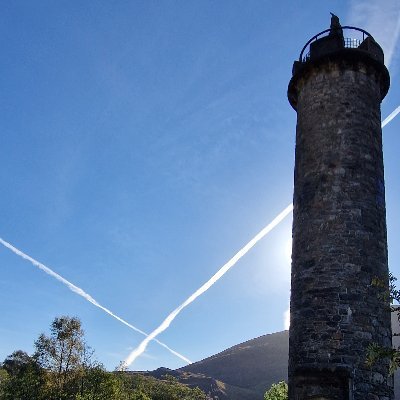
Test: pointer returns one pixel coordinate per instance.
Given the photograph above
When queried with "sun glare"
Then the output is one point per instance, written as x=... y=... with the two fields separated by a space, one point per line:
x=288 y=251
x=286 y=319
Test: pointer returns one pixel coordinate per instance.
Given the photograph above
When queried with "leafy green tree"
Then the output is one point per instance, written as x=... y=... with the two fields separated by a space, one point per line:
x=16 y=362
x=139 y=395
x=168 y=388
x=4 y=378
x=63 y=350
x=98 y=384
x=278 y=391
x=64 y=355
x=22 y=378
x=63 y=368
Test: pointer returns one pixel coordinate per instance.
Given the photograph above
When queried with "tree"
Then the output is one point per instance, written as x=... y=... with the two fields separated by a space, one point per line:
x=4 y=379
x=278 y=391
x=63 y=368
x=63 y=354
x=22 y=378
x=98 y=384
x=63 y=349
x=16 y=362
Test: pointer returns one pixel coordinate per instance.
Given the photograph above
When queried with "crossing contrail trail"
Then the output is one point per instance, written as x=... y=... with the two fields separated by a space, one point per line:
x=85 y=295
x=220 y=273
x=392 y=115
x=166 y=323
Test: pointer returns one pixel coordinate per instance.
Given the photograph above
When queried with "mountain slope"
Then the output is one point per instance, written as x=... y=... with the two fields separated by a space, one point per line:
x=213 y=387
x=252 y=366
x=247 y=370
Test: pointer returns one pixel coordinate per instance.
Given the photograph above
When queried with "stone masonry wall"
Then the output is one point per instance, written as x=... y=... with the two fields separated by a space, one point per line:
x=339 y=237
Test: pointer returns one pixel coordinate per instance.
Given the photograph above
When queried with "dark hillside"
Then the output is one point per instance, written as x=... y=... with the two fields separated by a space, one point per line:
x=253 y=365
x=247 y=370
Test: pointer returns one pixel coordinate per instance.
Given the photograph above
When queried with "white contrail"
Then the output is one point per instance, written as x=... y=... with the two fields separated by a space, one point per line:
x=392 y=115
x=166 y=323
x=221 y=272
x=85 y=295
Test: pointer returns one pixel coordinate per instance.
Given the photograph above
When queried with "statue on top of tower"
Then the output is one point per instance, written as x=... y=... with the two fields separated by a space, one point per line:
x=336 y=28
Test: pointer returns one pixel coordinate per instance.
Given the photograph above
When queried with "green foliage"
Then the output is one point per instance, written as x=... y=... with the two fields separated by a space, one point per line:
x=375 y=352
x=63 y=368
x=63 y=350
x=22 y=378
x=63 y=355
x=98 y=384
x=4 y=378
x=278 y=391
x=166 y=389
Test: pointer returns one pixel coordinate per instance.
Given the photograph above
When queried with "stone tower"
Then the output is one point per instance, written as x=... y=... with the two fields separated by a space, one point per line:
x=339 y=225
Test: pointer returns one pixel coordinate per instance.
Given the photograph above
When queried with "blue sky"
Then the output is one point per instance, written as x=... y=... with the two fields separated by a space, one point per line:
x=143 y=144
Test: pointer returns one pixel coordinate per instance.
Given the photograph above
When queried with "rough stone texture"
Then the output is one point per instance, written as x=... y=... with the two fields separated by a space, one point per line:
x=339 y=236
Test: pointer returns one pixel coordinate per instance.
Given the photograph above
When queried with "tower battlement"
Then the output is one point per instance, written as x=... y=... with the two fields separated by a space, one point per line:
x=358 y=50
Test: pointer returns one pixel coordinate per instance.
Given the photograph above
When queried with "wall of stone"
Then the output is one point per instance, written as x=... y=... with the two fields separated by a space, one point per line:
x=339 y=236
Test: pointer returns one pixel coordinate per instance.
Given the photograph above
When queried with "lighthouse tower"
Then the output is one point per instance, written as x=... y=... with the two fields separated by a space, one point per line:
x=339 y=225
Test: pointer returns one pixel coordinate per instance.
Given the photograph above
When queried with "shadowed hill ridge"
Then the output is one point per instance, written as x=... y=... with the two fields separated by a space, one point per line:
x=245 y=371
x=253 y=365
